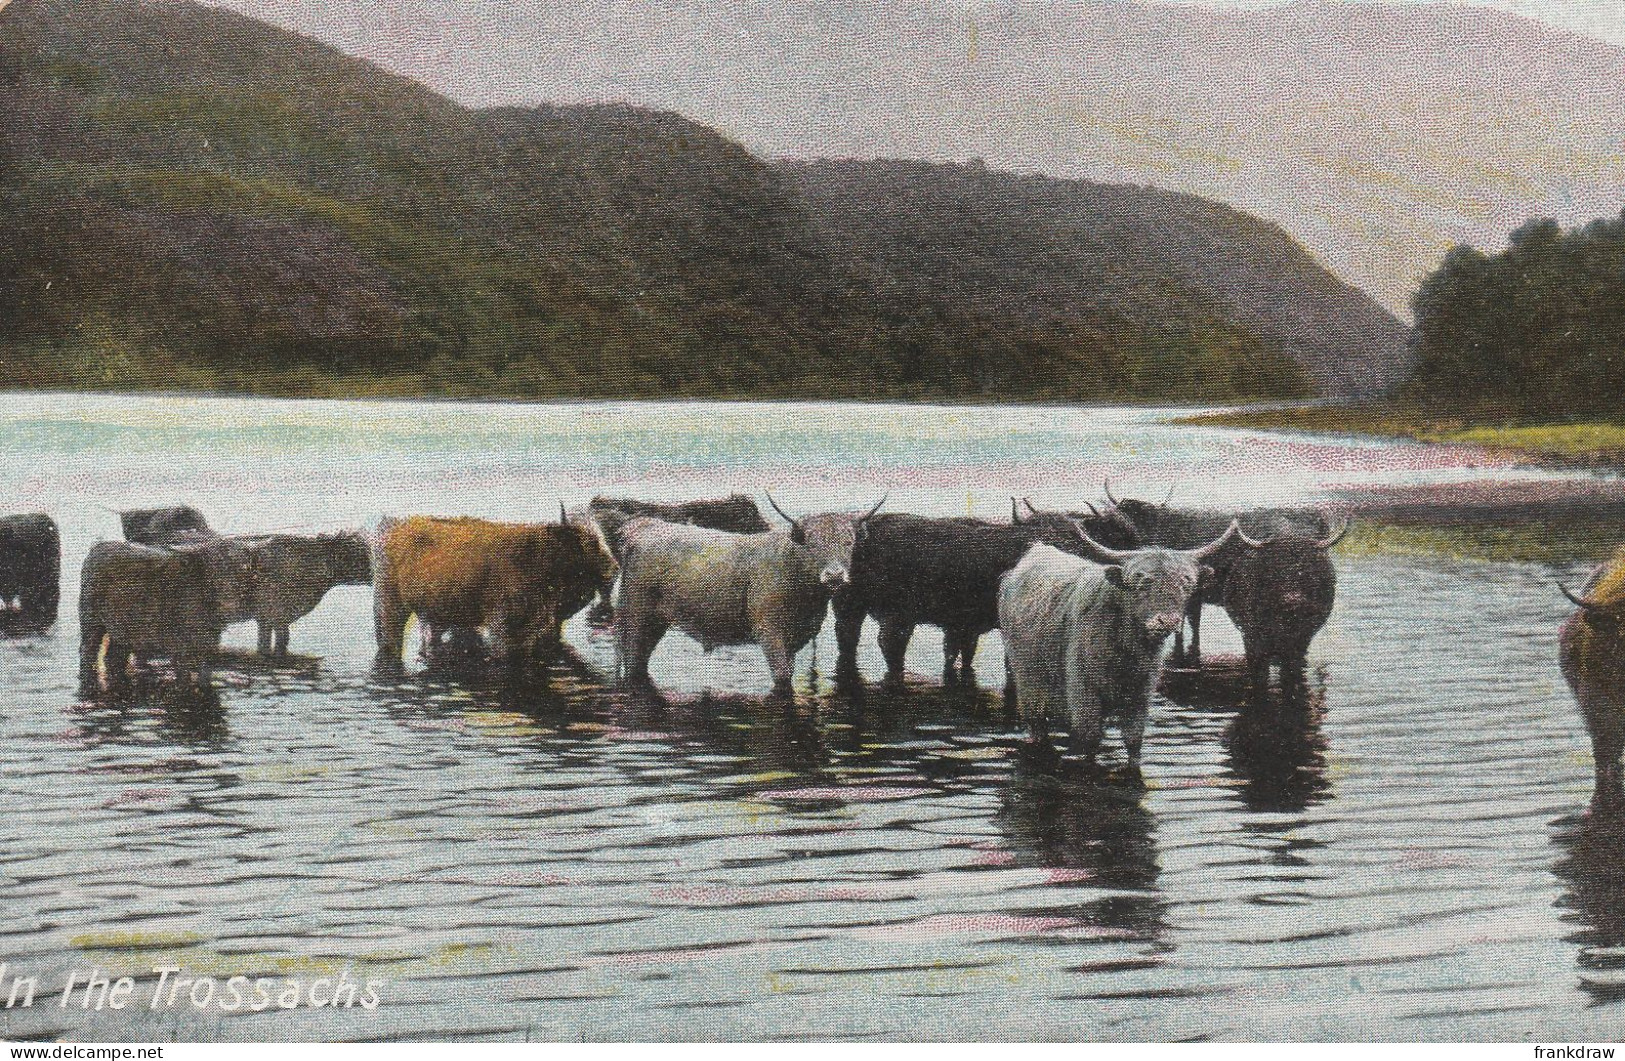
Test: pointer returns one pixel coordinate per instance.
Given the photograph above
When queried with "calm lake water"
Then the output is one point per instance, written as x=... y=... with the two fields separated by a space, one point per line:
x=1406 y=855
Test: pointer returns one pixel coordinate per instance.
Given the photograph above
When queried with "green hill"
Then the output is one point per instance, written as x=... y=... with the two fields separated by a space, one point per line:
x=196 y=200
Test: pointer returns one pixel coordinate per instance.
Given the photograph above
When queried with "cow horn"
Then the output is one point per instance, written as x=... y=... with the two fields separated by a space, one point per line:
x=564 y=517
x=787 y=517
x=1107 y=485
x=1093 y=550
x=1581 y=601
x=872 y=511
x=1169 y=496
x=1337 y=535
x=1252 y=543
x=1092 y=509
x=1015 y=512
x=1231 y=534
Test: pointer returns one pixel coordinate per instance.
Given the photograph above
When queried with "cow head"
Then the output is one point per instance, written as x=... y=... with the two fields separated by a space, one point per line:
x=830 y=537
x=1603 y=616
x=600 y=529
x=1130 y=516
x=743 y=516
x=1157 y=584
x=1056 y=527
x=349 y=557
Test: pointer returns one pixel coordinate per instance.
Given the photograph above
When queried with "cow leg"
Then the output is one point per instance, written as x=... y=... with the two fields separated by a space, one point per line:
x=90 y=649
x=389 y=624
x=967 y=658
x=780 y=663
x=1085 y=712
x=281 y=647
x=1193 y=615
x=264 y=638
x=1607 y=743
x=640 y=638
x=1295 y=666
x=849 y=616
x=894 y=638
x=1258 y=665
x=952 y=642
x=117 y=662
x=1132 y=727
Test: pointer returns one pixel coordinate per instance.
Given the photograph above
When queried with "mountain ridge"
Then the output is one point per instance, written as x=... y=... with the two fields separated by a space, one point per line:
x=205 y=198
x=1377 y=135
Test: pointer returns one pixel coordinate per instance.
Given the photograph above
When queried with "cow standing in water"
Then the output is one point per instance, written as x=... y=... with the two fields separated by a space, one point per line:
x=136 y=600
x=270 y=579
x=1591 y=651
x=767 y=589
x=735 y=513
x=517 y=581
x=910 y=570
x=289 y=574
x=1279 y=597
x=1084 y=638
x=30 y=568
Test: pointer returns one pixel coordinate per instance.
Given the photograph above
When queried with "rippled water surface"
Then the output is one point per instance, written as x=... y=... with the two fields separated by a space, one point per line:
x=1400 y=852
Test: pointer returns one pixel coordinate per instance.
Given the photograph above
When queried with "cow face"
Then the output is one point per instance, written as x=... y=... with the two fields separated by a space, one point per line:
x=600 y=557
x=1157 y=585
x=349 y=557
x=830 y=537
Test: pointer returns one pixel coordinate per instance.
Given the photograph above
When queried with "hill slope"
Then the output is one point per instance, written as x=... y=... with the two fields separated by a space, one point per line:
x=1043 y=256
x=197 y=199
x=1377 y=135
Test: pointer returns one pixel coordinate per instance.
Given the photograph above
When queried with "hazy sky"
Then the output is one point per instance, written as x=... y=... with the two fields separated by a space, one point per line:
x=1604 y=19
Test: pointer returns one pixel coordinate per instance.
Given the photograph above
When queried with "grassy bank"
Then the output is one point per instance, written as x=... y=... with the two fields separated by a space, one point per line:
x=1590 y=443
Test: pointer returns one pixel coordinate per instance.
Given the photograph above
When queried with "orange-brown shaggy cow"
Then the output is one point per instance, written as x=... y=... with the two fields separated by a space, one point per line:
x=517 y=581
x=1591 y=651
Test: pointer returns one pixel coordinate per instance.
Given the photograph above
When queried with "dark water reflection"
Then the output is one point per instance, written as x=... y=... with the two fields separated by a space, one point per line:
x=1398 y=849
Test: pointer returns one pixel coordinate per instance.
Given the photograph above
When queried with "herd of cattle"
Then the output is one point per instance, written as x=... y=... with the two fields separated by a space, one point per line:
x=1086 y=601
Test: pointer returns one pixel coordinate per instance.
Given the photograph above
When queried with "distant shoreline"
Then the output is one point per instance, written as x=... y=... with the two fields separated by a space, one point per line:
x=1596 y=445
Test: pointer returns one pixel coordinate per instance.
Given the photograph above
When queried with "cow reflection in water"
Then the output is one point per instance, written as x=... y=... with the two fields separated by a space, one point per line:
x=1277 y=749
x=184 y=713
x=1591 y=865
x=1065 y=815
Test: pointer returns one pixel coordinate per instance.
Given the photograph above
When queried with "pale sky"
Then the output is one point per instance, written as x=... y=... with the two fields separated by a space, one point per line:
x=1603 y=19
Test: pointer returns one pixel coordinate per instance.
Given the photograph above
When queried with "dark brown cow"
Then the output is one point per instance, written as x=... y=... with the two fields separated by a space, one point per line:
x=30 y=569
x=139 y=600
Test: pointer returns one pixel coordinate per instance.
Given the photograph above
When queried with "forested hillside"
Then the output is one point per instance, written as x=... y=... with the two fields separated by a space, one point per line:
x=197 y=200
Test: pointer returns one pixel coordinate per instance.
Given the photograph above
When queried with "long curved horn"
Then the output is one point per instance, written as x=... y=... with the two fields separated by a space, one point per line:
x=1107 y=486
x=787 y=517
x=1015 y=513
x=564 y=517
x=1581 y=601
x=1337 y=535
x=872 y=511
x=1169 y=496
x=1231 y=534
x=1252 y=543
x=1092 y=509
x=1093 y=550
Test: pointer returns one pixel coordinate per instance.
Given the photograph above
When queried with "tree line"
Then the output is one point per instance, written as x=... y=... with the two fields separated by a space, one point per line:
x=1536 y=331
